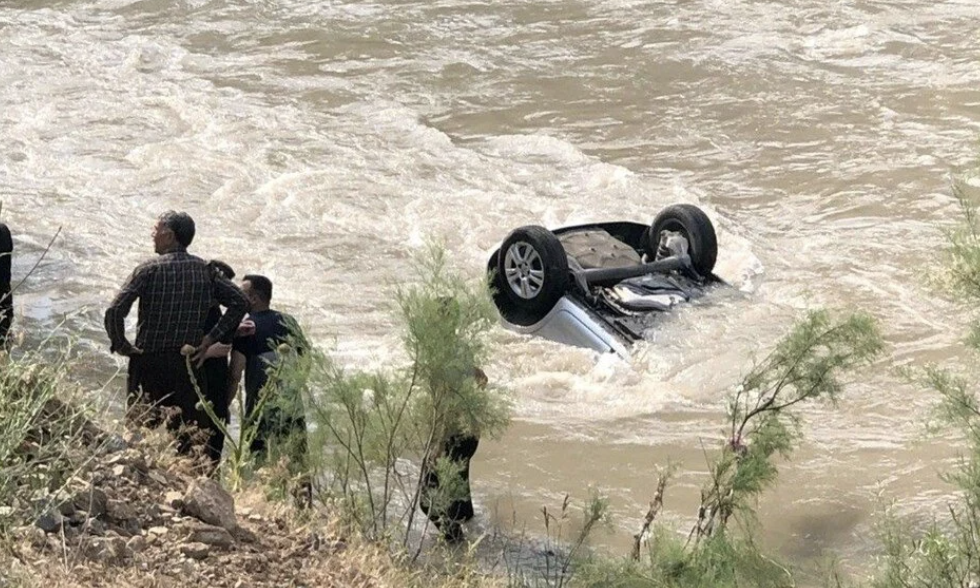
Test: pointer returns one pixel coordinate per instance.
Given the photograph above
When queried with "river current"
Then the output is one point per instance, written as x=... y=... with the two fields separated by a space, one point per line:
x=322 y=142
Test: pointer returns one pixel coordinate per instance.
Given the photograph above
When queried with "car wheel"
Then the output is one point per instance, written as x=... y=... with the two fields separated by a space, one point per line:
x=532 y=271
x=695 y=226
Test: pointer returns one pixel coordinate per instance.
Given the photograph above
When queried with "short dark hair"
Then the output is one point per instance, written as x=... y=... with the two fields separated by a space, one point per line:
x=181 y=224
x=221 y=268
x=260 y=284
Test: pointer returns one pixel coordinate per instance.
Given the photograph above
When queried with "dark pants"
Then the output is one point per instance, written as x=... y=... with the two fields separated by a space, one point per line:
x=282 y=433
x=277 y=429
x=161 y=380
x=6 y=312
x=216 y=373
x=459 y=449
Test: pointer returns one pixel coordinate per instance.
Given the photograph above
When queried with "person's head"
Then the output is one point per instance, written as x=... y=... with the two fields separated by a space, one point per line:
x=258 y=289
x=222 y=269
x=173 y=230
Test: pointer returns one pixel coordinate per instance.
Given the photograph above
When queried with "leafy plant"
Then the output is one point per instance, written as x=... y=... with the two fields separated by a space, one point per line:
x=378 y=434
x=805 y=366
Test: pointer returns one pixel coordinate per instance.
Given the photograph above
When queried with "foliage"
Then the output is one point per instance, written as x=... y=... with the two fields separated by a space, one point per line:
x=280 y=395
x=806 y=365
x=718 y=562
x=46 y=437
x=377 y=434
x=947 y=552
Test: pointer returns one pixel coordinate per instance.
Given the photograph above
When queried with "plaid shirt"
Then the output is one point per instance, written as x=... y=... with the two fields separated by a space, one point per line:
x=175 y=290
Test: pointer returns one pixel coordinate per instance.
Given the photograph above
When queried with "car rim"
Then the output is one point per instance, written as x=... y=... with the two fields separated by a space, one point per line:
x=524 y=270
x=676 y=228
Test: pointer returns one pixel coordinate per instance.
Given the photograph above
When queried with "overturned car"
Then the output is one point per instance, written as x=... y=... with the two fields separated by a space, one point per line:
x=602 y=285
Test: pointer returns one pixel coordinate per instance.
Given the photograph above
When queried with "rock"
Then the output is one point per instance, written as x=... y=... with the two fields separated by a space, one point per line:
x=158 y=478
x=174 y=499
x=50 y=522
x=113 y=444
x=94 y=527
x=207 y=501
x=120 y=510
x=136 y=544
x=185 y=570
x=195 y=550
x=93 y=501
x=209 y=534
x=244 y=535
x=139 y=464
x=118 y=547
x=126 y=529
x=158 y=531
x=104 y=549
x=133 y=437
x=120 y=471
x=66 y=508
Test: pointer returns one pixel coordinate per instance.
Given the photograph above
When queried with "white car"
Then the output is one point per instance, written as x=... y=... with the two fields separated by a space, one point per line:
x=602 y=285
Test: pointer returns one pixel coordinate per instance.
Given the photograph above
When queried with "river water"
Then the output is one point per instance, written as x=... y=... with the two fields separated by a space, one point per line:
x=322 y=142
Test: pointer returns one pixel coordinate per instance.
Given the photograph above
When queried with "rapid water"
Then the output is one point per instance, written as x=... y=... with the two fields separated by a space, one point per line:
x=322 y=142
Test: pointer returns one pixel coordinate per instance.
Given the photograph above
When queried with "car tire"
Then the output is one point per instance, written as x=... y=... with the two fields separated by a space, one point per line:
x=694 y=224
x=532 y=272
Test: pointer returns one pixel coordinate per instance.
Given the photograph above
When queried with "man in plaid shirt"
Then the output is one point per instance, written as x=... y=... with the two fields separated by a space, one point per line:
x=175 y=291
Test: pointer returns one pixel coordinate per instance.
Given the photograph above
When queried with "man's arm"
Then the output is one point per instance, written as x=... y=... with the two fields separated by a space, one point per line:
x=236 y=305
x=115 y=315
x=235 y=374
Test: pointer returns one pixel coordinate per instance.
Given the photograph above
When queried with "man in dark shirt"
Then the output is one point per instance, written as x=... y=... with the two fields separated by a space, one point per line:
x=6 y=297
x=281 y=420
x=216 y=371
x=175 y=291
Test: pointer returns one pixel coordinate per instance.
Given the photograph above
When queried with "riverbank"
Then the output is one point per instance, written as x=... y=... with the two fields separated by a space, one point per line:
x=88 y=503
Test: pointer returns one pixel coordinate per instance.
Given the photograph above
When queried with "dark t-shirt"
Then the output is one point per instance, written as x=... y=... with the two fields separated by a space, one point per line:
x=259 y=349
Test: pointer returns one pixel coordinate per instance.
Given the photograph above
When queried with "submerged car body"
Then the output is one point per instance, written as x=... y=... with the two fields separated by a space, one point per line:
x=602 y=285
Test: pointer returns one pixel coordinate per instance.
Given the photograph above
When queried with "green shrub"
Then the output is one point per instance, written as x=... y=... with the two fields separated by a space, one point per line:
x=45 y=438
x=805 y=366
x=377 y=434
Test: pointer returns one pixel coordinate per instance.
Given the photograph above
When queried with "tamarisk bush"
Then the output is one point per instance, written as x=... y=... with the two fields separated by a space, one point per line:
x=763 y=425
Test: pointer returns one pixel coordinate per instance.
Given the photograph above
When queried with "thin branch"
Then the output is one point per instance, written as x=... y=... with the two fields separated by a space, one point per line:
x=36 y=263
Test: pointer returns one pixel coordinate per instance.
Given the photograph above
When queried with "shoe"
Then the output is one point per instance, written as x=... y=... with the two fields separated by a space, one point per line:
x=452 y=533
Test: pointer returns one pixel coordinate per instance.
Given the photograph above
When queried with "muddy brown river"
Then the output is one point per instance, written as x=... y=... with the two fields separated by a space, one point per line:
x=322 y=142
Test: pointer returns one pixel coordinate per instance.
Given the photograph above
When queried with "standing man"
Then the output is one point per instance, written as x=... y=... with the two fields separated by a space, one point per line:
x=281 y=419
x=175 y=290
x=449 y=509
x=6 y=297
x=216 y=371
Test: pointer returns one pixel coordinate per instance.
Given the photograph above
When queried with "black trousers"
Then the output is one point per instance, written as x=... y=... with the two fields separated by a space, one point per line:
x=460 y=449
x=216 y=371
x=6 y=313
x=161 y=380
